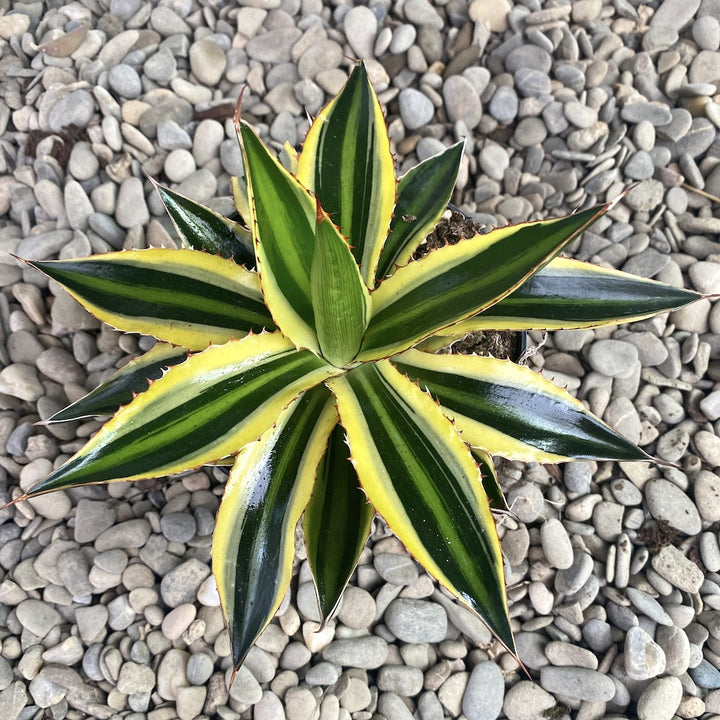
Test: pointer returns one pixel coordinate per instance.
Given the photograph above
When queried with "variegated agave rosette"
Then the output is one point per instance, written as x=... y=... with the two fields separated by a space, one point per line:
x=300 y=345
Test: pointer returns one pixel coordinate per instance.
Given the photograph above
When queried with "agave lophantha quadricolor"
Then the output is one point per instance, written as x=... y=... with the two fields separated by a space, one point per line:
x=299 y=347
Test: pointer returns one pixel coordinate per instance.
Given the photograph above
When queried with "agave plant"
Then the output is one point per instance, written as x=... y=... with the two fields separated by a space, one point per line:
x=298 y=347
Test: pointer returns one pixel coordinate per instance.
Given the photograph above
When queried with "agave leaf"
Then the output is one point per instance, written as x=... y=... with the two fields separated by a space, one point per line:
x=201 y=228
x=574 y=294
x=242 y=204
x=455 y=282
x=283 y=225
x=120 y=388
x=289 y=157
x=269 y=486
x=512 y=411
x=421 y=478
x=183 y=297
x=346 y=162
x=336 y=523
x=422 y=196
x=200 y=411
x=340 y=300
x=490 y=480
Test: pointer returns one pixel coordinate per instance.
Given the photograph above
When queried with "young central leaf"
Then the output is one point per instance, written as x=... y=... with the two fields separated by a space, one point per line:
x=340 y=300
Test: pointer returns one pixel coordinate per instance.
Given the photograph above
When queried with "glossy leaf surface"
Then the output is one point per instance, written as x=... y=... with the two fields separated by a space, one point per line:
x=341 y=303
x=283 y=226
x=422 y=197
x=254 y=540
x=201 y=410
x=184 y=297
x=346 y=162
x=201 y=228
x=420 y=476
x=512 y=411
x=337 y=523
x=457 y=281
x=120 y=388
x=574 y=294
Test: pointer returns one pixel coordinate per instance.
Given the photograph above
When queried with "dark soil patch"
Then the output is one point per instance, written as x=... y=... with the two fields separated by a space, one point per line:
x=505 y=344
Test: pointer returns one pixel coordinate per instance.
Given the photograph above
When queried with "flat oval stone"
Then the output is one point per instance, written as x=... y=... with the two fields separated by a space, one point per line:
x=37 y=616
x=613 y=358
x=366 y=652
x=578 y=683
x=666 y=501
x=416 y=109
x=461 y=101
x=484 y=693
x=556 y=544
x=416 y=621
x=660 y=699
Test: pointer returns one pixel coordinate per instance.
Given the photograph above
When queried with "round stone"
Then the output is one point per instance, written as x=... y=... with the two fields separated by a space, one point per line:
x=180 y=585
x=178 y=620
x=532 y=83
x=135 y=678
x=416 y=109
x=527 y=701
x=706 y=32
x=37 y=616
x=396 y=569
x=580 y=115
x=161 y=67
x=400 y=679
x=504 y=105
x=530 y=131
x=461 y=101
x=484 y=694
x=528 y=56
x=83 y=163
x=639 y=166
x=613 y=358
x=494 y=160
x=360 y=29
x=666 y=501
x=358 y=608
x=366 y=652
x=705 y=67
x=178 y=526
x=207 y=61
x=209 y=135
x=131 y=209
x=706 y=490
x=125 y=81
x=705 y=675
x=556 y=544
x=416 y=621
x=660 y=699
x=179 y=165
x=402 y=39
x=76 y=108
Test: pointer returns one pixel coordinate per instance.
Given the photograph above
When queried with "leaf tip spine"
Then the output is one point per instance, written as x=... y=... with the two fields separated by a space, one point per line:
x=238 y=108
x=15 y=501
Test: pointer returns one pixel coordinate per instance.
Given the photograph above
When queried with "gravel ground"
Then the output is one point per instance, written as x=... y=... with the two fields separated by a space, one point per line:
x=107 y=604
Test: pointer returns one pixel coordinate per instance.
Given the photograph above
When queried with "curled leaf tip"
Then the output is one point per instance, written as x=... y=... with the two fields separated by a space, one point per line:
x=238 y=106
x=15 y=501
x=660 y=461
